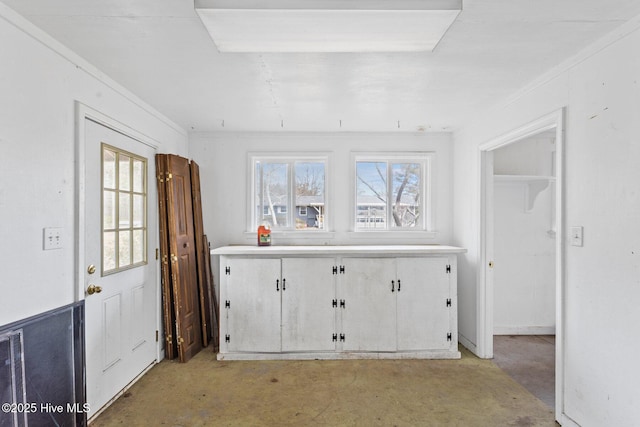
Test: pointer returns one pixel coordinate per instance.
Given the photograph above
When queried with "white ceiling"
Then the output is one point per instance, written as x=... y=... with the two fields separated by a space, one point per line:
x=160 y=50
x=294 y=26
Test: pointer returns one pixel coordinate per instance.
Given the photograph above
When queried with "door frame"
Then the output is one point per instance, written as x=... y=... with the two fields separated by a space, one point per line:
x=485 y=303
x=82 y=113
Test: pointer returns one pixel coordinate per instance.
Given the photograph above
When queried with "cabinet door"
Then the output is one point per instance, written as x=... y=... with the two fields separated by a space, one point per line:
x=423 y=315
x=253 y=318
x=308 y=317
x=369 y=316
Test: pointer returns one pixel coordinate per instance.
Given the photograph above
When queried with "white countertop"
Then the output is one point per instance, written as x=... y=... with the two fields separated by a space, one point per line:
x=337 y=250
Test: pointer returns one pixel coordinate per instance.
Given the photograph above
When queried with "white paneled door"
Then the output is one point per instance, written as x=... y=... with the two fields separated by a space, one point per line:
x=120 y=272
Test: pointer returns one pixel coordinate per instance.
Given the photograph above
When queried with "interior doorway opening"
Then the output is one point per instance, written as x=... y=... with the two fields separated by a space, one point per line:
x=524 y=236
x=520 y=275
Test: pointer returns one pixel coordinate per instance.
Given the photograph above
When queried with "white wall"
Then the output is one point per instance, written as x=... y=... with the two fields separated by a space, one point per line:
x=222 y=157
x=39 y=82
x=524 y=239
x=524 y=257
x=601 y=92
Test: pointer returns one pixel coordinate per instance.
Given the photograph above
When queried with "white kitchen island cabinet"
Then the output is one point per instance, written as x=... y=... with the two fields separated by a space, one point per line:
x=338 y=302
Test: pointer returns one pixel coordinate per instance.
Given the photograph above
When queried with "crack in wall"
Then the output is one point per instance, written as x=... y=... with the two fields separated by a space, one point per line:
x=267 y=75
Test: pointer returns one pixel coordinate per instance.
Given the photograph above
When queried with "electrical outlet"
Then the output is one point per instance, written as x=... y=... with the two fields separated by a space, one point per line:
x=576 y=236
x=52 y=238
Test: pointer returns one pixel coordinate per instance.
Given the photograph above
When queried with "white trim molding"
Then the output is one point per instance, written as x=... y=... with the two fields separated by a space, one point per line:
x=485 y=304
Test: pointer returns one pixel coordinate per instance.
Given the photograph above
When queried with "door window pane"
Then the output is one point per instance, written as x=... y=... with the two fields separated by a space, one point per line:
x=124 y=219
x=138 y=176
x=138 y=246
x=124 y=248
x=124 y=169
x=109 y=169
x=109 y=251
x=138 y=210
x=124 y=210
x=109 y=210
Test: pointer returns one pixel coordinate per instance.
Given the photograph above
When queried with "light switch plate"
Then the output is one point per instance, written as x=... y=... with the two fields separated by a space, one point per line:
x=52 y=238
x=576 y=236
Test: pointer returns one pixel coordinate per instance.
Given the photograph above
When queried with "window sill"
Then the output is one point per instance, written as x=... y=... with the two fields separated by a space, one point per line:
x=409 y=235
x=294 y=234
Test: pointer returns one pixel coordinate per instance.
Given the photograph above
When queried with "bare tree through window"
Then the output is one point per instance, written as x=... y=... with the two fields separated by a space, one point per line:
x=388 y=194
x=272 y=191
x=289 y=193
x=406 y=189
x=310 y=184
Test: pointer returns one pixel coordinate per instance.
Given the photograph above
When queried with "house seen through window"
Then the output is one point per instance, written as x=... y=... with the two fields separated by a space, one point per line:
x=289 y=194
x=390 y=193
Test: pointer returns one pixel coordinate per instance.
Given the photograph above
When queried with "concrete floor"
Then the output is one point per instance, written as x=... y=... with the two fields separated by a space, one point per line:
x=530 y=360
x=207 y=392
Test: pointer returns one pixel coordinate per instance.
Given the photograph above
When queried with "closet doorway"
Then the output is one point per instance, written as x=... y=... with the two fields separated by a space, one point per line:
x=520 y=286
x=524 y=235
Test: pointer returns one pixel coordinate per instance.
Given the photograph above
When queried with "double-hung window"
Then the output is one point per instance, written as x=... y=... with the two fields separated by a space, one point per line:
x=392 y=192
x=289 y=192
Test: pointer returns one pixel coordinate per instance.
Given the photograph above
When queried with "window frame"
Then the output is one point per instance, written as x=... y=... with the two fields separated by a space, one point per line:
x=290 y=158
x=117 y=191
x=427 y=187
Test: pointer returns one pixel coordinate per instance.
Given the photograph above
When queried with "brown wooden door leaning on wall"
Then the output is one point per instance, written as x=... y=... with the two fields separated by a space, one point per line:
x=181 y=257
x=205 y=297
x=170 y=344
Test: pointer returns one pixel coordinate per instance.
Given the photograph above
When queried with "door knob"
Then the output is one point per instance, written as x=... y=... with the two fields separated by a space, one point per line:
x=490 y=264
x=93 y=289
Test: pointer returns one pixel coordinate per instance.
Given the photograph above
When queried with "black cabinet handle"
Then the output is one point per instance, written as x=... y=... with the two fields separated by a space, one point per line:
x=398 y=285
x=393 y=286
x=277 y=285
x=284 y=281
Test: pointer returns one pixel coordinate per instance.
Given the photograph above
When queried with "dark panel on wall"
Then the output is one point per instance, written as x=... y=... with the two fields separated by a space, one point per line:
x=12 y=391
x=52 y=354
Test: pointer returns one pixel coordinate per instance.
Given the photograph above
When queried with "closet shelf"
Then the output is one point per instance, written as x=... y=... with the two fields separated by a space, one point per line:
x=534 y=185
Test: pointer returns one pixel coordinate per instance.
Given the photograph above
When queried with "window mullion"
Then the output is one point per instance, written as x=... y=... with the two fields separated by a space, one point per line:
x=292 y=193
x=389 y=195
x=131 y=211
x=146 y=212
x=258 y=194
x=426 y=189
x=117 y=215
x=260 y=179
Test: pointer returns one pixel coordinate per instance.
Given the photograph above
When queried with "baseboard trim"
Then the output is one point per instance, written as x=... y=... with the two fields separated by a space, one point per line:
x=566 y=421
x=468 y=344
x=524 y=330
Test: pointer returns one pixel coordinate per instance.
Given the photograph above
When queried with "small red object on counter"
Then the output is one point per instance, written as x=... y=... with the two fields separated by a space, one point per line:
x=264 y=235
